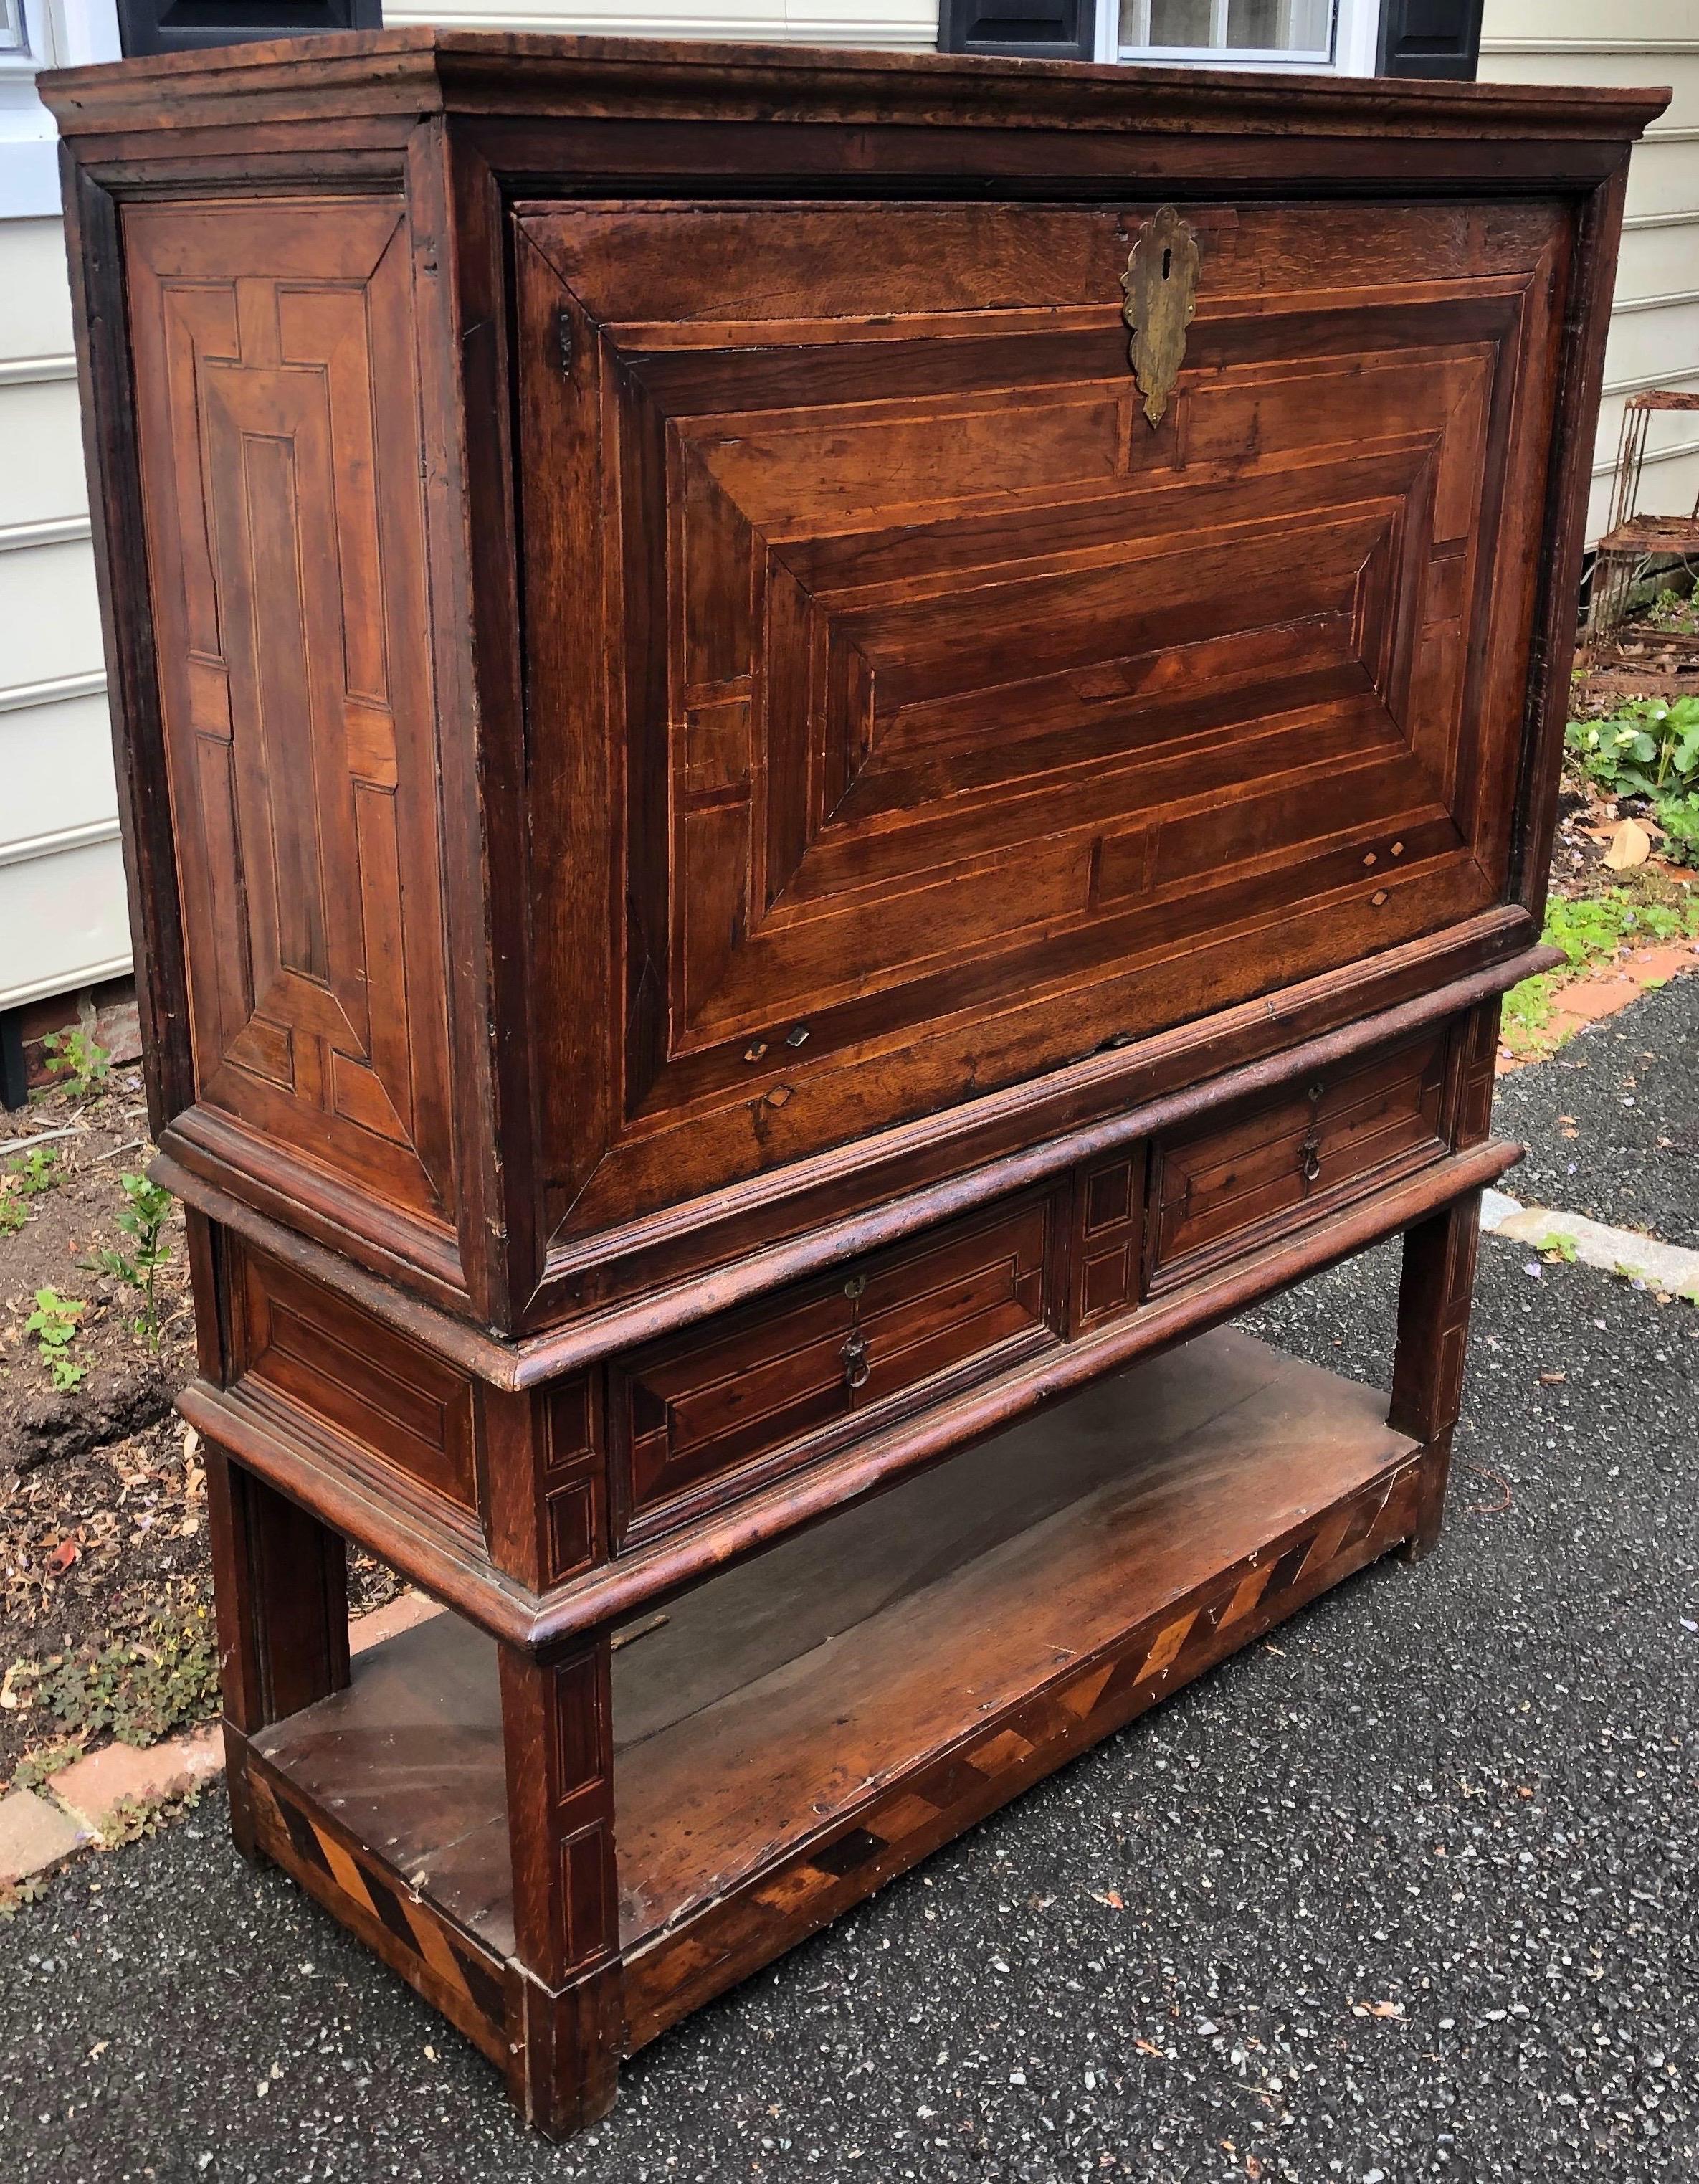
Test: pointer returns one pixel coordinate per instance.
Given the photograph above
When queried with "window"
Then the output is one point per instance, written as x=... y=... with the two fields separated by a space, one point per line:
x=1292 y=33
x=13 y=38
x=175 y=26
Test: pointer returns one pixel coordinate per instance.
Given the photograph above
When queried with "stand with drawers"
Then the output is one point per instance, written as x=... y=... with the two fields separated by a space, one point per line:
x=820 y=753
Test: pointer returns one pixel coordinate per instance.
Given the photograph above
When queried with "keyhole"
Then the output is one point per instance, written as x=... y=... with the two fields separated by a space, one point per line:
x=1168 y=262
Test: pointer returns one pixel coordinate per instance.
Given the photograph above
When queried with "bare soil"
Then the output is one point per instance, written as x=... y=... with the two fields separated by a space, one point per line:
x=107 y=1606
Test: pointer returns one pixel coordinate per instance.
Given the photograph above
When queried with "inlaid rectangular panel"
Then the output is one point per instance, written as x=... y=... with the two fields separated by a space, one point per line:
x=712 y=1414
x=308 y=1358
x=968 y=719
x=1235 y=1182
x=280 y=444
x=1109 y=1227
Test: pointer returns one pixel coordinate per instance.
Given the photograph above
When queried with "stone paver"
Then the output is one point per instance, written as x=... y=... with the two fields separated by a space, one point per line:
x=1604 y=993
x=34 y=1835
x=1671 y=1267
x=396 y=1615
x=95 y=1790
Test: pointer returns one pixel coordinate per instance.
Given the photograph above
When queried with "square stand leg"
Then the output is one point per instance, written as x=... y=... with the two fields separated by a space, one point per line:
x=1435 y=1294
x=557 y=1728
x=280 y=1579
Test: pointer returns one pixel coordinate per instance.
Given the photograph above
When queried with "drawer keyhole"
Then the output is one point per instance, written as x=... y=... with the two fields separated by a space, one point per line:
x=1310 y=1159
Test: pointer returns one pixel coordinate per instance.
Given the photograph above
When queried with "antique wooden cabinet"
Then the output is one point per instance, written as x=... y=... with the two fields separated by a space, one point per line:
x=820 y=752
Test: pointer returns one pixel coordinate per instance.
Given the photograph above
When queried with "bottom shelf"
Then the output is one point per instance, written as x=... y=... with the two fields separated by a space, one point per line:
x=804 y=1725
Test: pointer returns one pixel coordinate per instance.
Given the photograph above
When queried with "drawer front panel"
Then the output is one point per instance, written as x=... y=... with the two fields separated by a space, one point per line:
x=1229 y=1187
x=718 y=1412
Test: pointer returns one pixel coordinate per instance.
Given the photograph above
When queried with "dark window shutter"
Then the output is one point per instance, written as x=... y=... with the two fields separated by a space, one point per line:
x=1431 y=38
x=1035 y=29
x=173 y=26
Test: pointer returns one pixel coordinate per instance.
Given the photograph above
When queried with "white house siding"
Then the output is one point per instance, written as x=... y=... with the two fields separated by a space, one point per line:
x=62 y=918
x=62 y=921
x=1654 y=337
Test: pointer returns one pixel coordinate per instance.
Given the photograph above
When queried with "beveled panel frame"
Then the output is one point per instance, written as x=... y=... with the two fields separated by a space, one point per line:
x=828 y=870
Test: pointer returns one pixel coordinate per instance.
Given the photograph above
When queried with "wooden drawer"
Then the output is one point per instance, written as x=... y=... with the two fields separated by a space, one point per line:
x=1230 y=1186
x=702 y=1417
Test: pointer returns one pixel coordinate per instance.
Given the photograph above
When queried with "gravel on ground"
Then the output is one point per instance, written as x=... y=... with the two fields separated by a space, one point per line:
x=1612 y=1121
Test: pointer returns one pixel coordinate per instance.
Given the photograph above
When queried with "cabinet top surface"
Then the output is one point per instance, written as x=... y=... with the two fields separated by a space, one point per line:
x=433 y=70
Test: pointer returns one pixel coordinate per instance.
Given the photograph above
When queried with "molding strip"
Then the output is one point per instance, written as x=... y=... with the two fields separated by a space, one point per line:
x=70 y=981
x=1652 y=455
x=1651 y=379
x=36 y=371
x=1672 y=299
x=1590 y=45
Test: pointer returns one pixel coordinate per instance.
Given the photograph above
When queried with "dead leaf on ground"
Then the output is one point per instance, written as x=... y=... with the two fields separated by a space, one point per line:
x=1629 y=845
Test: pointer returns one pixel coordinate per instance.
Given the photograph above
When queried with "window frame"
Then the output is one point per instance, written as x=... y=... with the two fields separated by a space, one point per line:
x=1356 y=39
x=44 y=34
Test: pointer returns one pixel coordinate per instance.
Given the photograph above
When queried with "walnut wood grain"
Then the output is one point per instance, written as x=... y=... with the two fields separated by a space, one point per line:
x=1170 y=1515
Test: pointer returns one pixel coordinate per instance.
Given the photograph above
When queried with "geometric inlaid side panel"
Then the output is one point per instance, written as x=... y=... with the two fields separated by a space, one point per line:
x=279 y=437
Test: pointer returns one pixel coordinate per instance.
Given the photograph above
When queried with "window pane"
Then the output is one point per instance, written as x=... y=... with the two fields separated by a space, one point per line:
x=1241 y=26
x=1179 y=22
x=1284 y=27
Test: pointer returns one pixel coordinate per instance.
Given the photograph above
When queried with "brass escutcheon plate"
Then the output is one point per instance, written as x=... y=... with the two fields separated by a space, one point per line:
x=1160 y=285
